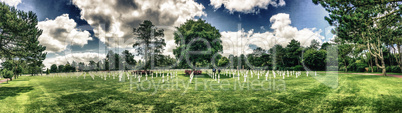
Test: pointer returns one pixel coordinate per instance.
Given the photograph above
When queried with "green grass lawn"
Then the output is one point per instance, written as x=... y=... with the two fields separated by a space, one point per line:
x=354 y=93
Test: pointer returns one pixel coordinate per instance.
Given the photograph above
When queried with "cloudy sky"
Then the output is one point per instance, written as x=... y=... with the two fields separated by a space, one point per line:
x=83 y=30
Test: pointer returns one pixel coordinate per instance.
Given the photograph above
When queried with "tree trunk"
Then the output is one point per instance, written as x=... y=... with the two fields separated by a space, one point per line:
x=384 y=72
x=400 y=67
x=371 y=65
x=346 y=67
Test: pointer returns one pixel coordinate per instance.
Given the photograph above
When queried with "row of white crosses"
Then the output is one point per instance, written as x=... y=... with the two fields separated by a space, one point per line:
x=275 y=73
x=169 y=74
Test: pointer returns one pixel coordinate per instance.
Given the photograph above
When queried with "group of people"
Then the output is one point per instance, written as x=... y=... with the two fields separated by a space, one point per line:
x=214 y=70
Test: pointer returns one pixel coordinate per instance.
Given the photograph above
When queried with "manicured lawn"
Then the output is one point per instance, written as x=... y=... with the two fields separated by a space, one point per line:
x=353 y=93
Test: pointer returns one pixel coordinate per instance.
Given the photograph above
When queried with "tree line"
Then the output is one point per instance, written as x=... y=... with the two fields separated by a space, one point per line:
x=337 y=55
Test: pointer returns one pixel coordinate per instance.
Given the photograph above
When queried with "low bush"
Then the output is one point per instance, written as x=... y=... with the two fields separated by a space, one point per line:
x=142 y=72
x=393 y=69
x=332 y=68
x=7 y=74
x=361 y=67
x=298 y=68
x=196 y=72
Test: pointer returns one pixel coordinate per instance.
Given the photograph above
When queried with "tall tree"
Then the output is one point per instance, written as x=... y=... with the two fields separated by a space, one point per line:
x=325 y=45
x=344 y=54
x=92 y=65
x=129 y=59
x=61 y=68
x=81 y=66
x=53 y=68
x=223 y=61
x=293 y=53
x=149 y=41
x=277 y=52
x=195 y=35
x=315 y=59
x=314 y=44
x=364 y=22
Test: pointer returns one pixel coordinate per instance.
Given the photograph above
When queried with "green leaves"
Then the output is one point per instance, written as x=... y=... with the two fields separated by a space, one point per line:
x=196 y=36
x=7 y=73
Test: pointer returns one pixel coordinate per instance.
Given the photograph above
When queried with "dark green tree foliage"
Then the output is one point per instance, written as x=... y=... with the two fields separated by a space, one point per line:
x=16 y=29
x=129 y=60
x=61 y=68
x=81 y=66
x=325 y=45
x=92 y=65
x=107 y=64
x=53 y=68
x=277 y=53
x=293 y=53
x=114 y=60
x=8 y=64
x=315 y=59
x=223 y=61
x=19 y=37
x=164 y=61
x=18 y=71
x=100 y=65
x=68 y=68
x=7 y=74
x=149 y=41
x=196 y=35
x=47 y=71
x=259 y=58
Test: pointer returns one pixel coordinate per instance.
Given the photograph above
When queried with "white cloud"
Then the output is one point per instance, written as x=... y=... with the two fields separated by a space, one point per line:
x=119 y=17
x=11 y=2
x=237 y=43
x=61 y=32
x=249 y=6
x=77 y=57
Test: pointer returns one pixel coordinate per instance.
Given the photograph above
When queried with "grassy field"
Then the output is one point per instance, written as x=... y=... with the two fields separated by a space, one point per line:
x=353 y=93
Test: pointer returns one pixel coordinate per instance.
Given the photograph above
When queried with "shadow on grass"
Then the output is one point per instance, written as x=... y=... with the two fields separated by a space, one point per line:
x=13 y=91
x=389 y=103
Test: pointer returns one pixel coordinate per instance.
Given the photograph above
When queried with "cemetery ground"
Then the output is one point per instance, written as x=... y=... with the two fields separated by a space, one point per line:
x=70 y=93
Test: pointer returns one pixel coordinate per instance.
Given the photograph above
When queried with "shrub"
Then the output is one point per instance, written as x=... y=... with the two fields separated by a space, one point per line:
x=374 y=69
x=361 y=67
x=332 y=68
x=342 y=68
x=8 y=74
x=393 y=69
x=142 y=72
x=388 y=68
x=397 y=69
x=298 y=68
x=196 y=72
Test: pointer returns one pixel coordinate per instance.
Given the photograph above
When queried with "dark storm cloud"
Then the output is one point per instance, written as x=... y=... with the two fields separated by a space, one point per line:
x=58 y=32
x=100 y=20
x=125 y=5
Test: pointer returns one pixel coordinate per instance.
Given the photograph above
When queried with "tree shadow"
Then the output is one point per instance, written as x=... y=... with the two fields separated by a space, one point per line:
x=388 y=103
x=13 y=91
